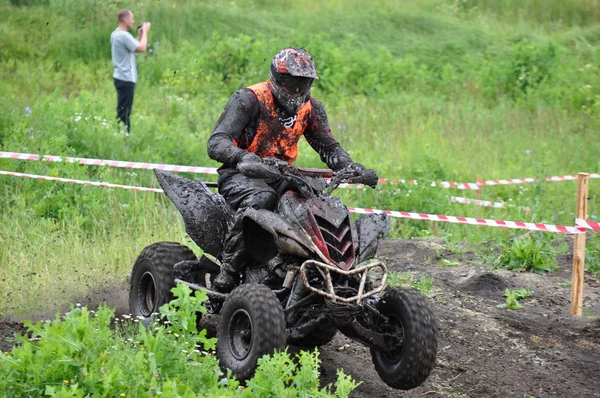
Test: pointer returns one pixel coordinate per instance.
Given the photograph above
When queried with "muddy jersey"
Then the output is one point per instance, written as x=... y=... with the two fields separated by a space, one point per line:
x=253 y=121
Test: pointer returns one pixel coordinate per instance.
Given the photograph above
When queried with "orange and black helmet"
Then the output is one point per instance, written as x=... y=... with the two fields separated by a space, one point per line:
x=292 y=73
x=295 y=62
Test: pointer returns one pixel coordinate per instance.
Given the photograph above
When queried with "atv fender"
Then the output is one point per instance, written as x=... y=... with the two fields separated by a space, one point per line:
x=370 y=228
x=206 y=215
x=267 y=234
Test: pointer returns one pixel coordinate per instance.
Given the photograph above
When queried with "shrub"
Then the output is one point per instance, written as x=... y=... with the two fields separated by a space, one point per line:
x=531 y=253
x=81 y=355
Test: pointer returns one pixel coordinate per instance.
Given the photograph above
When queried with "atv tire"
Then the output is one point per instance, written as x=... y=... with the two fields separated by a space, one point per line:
x=152 y=278
x=413 y=321
x=252 y=325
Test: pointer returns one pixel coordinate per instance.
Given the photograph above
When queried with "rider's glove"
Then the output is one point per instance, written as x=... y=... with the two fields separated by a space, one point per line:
x=350 y=168
x=251 y=158
x=370 y=177
x=357 y=168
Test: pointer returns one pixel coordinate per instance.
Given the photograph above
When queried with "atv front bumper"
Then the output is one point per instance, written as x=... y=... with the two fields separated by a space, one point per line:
x=328 y=291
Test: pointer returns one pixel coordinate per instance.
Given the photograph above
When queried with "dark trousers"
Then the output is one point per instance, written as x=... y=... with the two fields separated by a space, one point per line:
x=124 y=101
x=241 y=193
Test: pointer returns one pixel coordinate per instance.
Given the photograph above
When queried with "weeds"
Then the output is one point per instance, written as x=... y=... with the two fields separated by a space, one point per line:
x=530 y=253
x=448 y=263
x=424 y=284
x=81 y=355
x=514 y=297
x=592 y=256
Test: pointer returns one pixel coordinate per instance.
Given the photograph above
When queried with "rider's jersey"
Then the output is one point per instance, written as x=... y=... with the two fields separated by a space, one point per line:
x=275 y=136
x=253 y=121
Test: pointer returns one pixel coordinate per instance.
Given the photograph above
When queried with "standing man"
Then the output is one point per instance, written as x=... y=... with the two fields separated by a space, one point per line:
x=123 y=47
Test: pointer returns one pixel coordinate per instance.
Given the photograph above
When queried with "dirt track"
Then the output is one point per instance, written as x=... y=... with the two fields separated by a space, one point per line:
x=484 y=351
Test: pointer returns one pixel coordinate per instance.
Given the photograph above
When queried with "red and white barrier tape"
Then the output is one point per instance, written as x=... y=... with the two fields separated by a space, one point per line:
x=110 y=163
x=391 y=213
x=459 y=185
x=474 y=221
x=587 y=224
x=72 y=181
x=212 y=170
x=507 y=182
x=570 y=177
x=485 y=203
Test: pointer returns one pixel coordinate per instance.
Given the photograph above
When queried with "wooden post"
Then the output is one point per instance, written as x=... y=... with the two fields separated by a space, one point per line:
x=579 y=246
x=478 y=192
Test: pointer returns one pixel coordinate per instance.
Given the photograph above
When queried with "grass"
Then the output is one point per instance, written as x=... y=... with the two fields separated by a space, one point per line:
x=407 y=279
x=428 y=90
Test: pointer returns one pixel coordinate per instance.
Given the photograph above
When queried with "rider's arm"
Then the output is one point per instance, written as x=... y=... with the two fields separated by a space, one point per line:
x=318 y=135
x=241 y=109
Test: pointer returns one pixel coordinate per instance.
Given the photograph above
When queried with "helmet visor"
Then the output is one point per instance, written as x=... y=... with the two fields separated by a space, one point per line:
x=294 y=84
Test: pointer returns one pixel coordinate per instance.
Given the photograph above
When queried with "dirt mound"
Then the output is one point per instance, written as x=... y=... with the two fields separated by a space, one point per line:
x=486 y=285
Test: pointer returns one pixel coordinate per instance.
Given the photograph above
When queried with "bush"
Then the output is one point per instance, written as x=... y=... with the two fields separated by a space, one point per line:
x=530 y=253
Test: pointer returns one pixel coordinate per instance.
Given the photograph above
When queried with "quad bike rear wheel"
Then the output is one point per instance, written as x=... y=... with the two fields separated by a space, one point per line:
x=413 y=334
x=252 y=325
x=152 y=278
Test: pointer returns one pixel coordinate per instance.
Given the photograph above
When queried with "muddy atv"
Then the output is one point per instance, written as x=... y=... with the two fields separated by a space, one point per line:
x=313 y=273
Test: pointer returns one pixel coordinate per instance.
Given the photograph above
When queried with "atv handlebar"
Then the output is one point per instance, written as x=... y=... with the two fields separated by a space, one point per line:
x=270 y=168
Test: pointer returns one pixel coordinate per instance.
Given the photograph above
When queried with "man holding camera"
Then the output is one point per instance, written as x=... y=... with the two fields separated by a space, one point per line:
x=123 y=48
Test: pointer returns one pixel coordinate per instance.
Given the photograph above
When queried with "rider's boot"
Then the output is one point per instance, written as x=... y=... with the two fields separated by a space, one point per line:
x=227 y=279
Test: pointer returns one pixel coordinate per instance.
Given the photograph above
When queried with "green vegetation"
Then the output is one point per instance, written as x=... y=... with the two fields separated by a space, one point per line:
x=81 y=355
x=592 y=255
x=514 y=297
x=407 y=279
x=529 y=253
x=423 y=89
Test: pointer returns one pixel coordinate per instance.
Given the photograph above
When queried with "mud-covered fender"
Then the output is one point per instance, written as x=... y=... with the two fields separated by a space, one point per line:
x=267 y=234
x=370 y=228
x=206 y=215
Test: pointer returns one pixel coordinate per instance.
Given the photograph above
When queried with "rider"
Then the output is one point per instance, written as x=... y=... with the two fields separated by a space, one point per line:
x=267 y=120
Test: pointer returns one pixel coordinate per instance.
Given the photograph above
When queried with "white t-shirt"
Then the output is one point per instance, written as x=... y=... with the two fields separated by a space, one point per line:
x=123 y=46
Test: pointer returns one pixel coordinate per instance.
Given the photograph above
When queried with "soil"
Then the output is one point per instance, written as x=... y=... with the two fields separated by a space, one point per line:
x=483 y=350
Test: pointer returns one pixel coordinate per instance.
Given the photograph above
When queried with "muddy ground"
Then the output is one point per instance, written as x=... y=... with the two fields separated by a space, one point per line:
x=484 y=351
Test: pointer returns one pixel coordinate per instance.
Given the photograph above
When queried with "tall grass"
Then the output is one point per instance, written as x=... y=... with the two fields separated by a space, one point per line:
x=426 y=90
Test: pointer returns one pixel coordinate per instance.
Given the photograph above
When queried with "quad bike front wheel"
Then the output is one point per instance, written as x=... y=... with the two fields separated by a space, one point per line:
x=152 y=278
x=412 y=333
x=252 y=325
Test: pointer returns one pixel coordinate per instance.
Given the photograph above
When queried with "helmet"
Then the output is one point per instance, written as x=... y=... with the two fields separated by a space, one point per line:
x=292 y=73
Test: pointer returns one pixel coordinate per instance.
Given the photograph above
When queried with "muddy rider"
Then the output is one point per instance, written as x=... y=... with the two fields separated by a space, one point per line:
x=267 y=120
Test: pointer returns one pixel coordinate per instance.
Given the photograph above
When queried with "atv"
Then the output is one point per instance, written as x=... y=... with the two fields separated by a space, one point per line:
x=313 y=273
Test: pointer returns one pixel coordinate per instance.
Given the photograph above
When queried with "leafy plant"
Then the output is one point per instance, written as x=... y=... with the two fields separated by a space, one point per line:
x=530 y=253
x=514 y=297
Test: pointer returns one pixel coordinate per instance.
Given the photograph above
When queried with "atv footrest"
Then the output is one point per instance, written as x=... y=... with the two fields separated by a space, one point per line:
x=328 y=291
